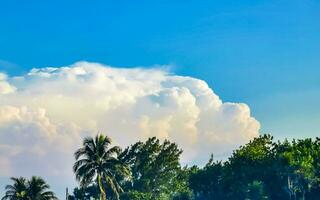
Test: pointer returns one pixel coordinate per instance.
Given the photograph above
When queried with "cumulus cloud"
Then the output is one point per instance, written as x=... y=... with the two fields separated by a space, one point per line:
x=5 y=87
x=45 y=113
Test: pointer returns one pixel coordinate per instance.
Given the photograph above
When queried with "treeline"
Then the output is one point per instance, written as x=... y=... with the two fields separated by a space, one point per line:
x=150 y=170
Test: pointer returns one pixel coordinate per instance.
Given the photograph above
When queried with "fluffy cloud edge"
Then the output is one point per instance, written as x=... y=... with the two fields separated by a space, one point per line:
x=47 y=111
x=5 y=87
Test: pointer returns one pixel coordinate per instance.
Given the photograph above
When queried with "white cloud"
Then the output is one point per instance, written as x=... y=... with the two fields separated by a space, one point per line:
x=49 y=110
x=5 y=87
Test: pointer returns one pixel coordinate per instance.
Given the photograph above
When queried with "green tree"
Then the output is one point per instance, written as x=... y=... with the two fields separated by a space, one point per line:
x=34 y=189
x=154 y=167
x=16 y=191
x=96 y=162
x=38 y=189
x=256 y=191
x=79 y=194
x=85 y=193
x=256 y=161
x=135 y=195
x=207 y=183
x=187 y=195
x=301 y=158
x=180 y=184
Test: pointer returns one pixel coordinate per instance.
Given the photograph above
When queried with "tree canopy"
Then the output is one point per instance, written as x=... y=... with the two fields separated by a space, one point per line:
x=151 y=170
x=33 y=189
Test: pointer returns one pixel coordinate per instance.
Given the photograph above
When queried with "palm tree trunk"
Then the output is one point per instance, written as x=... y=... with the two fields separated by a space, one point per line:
x=103 y=195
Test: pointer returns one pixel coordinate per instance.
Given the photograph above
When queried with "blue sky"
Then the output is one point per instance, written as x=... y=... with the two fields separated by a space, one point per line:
x=264 y=53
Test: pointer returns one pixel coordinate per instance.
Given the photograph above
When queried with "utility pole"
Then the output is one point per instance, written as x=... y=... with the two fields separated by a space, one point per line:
x=67 y=194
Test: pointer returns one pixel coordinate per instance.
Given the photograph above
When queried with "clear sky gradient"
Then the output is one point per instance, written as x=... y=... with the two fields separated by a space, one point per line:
x=264 y=53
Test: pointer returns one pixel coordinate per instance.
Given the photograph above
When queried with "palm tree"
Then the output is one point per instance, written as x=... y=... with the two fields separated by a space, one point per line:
x=38 y=189
x=97 y=162
x=16 y=191
x=34 y=189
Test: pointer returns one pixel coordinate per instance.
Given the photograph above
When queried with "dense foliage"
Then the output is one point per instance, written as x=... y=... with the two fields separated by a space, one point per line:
x=151 y=170
x=263 y=169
